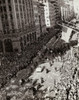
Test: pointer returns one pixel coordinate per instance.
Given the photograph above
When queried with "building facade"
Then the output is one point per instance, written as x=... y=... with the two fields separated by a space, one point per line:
x=76 y=9
x=57 y=9
x=67 y=9
x=17 y=26
x=49 y=13
x=52 y=12
x=39 y=17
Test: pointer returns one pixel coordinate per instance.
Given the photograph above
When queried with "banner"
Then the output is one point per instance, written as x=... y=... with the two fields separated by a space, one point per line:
x=66 y=32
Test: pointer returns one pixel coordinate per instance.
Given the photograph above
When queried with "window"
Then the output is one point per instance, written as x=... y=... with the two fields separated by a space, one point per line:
x=3 y=1
x=9 y=1
x=27 y=37
x=16 y=7
x=17 y=16
x=20 y=8
x=11 y=16
x=24 y=8
x=5 y=16
x=2 y=16
x=12 y=25
x=23 y=1
x=15 y=1
x=10 y=8
x=19 y=1
x=0 y=2
x=7 y=24
x=24 y=15
x=4 y=8
x=1 y=9
x=21 y=15
x=5 y=32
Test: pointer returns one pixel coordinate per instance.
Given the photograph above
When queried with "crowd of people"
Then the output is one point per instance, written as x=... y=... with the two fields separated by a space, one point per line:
x=69 y=79
x=11 y=63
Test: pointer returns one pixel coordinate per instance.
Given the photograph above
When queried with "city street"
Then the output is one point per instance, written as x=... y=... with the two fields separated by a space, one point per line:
x=39 y=49
x=52 y=77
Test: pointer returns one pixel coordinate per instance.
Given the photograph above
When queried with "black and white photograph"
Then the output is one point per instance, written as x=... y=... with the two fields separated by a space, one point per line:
x=39 y=49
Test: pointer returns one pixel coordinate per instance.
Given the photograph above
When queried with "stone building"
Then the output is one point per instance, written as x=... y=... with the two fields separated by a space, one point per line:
x=52 y=12
x=17 y=27
x=39 y=17
x=67 y=9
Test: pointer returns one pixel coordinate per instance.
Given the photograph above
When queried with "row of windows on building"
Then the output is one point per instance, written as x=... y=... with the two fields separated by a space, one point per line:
x=4 y=1
x=28 y=2
x=22 y=7
x=4 y=16
x=23 y=40
x=29 y=38
x=9 y=1
x=5 y=22
x=20 y=1
x=11 y=29
x=4 y=9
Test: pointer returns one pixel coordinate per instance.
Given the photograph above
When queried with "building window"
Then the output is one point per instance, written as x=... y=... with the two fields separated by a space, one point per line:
x=24 y=15
x=16 y=7
x=4 y=8
x=23 y=1
x=21 y=15
x=17 y=16
x=2 y=16
x=10 y=8
x=15 y=1
x=1 y=9
x=19 y=1
x=27 y=37
x=11 y=17
x=9 y=1
x=5 y=16
x=23 y=8
x=8 y=45
x=1 y=46
x=7 y=25
x=20 y=8
x=0 y=2
x=5 y=32
x=3 y=1
x=12 y=25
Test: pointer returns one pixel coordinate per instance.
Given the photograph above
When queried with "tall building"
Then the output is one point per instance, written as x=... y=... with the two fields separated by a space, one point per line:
x=17 y=27
x=57 y=9
x=76 y=9
x=51 y=11
x=67 y=9
x=39 y=17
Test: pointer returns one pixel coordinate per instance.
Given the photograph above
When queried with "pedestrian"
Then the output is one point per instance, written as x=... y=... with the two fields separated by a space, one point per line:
x=21 y=81
x=42 y=80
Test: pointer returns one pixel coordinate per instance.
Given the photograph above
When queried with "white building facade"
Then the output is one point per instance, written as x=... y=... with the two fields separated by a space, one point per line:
x=49 y=13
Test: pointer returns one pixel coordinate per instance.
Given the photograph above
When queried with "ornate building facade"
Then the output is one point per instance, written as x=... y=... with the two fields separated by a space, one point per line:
x=17 y=27
x=67 y=9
